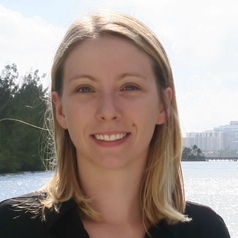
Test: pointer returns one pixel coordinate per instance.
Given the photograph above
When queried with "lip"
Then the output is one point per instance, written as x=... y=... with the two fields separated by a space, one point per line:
x=110 y=139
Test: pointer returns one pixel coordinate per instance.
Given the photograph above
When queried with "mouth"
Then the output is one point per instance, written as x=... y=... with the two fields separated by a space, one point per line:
x=112 y=137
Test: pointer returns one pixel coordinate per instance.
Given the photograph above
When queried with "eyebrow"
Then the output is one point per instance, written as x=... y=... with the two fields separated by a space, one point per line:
x=78 y=76
x=122 y=76
x=136 y=75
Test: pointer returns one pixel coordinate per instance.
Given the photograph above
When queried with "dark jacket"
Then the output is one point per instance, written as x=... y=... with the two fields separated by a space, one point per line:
x=22 y=218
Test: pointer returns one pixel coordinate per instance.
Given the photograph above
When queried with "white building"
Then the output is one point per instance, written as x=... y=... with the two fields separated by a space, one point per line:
x=220 y=138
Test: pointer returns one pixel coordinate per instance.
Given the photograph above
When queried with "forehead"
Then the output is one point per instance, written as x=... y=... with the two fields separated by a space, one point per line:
x=106 y=51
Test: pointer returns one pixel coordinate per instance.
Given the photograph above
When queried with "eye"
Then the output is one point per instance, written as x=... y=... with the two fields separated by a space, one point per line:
x=85 y=89
x=130 y=87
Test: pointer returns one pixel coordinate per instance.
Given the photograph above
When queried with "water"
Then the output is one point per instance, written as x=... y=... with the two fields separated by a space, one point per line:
x=12 y=185
x=211 y=183
x=214 y=184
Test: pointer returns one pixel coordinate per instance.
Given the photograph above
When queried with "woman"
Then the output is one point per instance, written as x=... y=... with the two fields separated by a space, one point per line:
x=117 y=142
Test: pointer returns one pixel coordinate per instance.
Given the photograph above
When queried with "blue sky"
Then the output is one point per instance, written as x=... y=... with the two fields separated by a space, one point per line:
x=200 y=37
x=56 y=12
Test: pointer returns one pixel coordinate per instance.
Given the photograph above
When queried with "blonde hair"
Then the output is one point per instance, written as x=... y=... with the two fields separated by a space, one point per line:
x=162 y=194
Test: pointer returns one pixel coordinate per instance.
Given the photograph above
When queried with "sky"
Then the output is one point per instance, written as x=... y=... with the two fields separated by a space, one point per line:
x=199 y=36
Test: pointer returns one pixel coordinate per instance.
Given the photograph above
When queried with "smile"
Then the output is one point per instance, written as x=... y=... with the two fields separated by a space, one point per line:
x=112 y=137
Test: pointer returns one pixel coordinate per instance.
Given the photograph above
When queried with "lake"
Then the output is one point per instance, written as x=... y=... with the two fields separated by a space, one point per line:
x=213 y=183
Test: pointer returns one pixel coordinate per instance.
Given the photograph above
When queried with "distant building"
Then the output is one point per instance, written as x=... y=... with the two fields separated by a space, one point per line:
x=220 y=138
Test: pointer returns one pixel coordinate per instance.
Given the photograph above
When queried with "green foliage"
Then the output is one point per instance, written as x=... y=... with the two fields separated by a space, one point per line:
x=192 y=154
x=21 y=106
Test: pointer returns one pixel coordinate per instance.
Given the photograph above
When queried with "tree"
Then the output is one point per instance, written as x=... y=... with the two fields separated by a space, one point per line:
x=8 y=89
x=22 y=110
x=192 y=154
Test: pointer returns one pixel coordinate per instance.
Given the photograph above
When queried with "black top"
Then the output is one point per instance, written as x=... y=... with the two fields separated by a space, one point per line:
x=64 y=222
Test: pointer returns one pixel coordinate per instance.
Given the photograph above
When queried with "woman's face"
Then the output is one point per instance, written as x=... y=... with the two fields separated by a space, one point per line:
x=110 y=103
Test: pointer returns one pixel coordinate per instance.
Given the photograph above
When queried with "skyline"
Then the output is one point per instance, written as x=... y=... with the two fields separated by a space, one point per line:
x=216 y=127
x=200 y=39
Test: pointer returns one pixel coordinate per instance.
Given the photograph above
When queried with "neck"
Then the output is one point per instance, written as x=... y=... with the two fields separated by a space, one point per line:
x=115 y=193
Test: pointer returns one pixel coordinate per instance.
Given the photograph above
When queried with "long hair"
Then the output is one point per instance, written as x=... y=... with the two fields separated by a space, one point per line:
x=162 y=194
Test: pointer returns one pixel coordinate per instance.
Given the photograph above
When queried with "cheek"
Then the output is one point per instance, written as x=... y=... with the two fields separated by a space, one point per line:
x=150 y=109
x=77 y=116
x=144 y=115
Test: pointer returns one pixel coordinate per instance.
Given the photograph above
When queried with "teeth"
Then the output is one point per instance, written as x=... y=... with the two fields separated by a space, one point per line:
x=110 y=137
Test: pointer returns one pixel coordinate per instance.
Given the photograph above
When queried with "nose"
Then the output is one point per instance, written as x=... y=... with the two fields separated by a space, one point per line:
x=108 y=107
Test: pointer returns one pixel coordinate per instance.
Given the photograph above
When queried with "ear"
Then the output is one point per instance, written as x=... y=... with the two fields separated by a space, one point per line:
x=58 y=109
x=168 y=92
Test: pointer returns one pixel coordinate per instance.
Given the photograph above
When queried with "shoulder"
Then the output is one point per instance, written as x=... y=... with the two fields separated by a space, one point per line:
x=25 y=216
x=12 y=205
x=205 y=223
x=15 y=213
x=28 y=202
x=202 y=214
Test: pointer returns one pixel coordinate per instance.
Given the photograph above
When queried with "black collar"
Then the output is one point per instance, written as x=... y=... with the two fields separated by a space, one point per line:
x=65 y=220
